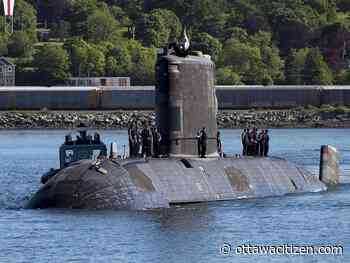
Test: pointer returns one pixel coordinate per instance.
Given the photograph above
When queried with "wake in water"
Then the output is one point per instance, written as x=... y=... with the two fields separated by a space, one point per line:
x=12 y=201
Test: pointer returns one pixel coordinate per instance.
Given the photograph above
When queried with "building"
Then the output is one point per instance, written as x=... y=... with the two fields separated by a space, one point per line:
x=7 y=72
x=99 y=82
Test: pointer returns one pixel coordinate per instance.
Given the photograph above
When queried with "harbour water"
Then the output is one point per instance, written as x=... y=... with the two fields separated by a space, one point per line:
x=188 y=233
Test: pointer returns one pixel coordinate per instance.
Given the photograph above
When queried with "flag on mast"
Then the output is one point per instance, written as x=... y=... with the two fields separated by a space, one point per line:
x=8 y=7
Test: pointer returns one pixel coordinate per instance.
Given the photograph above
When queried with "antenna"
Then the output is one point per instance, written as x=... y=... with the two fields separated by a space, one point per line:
x=8 y=11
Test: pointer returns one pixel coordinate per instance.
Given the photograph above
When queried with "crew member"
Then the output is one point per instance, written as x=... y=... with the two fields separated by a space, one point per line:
x=219 y=144
x=249 y=142
x=97 y=138
x=253 y=142
x=146 y=136
x=82 y=137
x=267 y=141
x=245 y=142
x=261 y=143
x=256 y=142
x=68 y=140
x=131 y=143
x=203 y=142
x=199 y=148
x=138 y=140
x=156 y=142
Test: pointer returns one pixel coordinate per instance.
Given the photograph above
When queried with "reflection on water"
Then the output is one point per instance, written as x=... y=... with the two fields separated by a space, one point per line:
x=191 y=233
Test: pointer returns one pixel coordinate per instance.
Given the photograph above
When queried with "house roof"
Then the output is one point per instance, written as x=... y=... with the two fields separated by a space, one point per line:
x=5 y=62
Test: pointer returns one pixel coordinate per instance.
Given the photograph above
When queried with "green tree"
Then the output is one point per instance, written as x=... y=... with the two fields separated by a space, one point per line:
x=226 y=76
x=152 y=30
x=295 y=63
x=51 y=11
x=25 y=18
x=77 y=49
x=134 y=8
x=52 y=63
x=254 y=58
x=202 y=15
x=79 y=13
x=342 y=77
x=293 y=22
x=237 y=33
x=121 y=16
x=343 y=5
x=123 y=58
x=207 y=44
x=172 y=22
x=321 y=6
x=96 y=62
x=60 y=30
x=3 y=45
x=143 y=61
x=20 y=44
x=334 y=42
x=270 y=56
x=111 y=67
x=101 y=26
x=245 y=60
x=85 y=59
x=316 y=70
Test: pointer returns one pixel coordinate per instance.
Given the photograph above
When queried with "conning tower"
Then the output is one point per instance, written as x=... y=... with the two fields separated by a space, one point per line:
x=185 y=101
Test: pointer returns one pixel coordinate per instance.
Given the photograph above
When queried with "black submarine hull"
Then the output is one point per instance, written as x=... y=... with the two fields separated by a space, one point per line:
x=160 y=183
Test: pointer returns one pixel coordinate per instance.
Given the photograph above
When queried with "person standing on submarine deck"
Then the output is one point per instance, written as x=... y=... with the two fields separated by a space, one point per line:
x=131 y=142
x=255 y=143
x=219 y=144
x=199 y=147
x=156 y=138
x=267 y=141
x=245 y=141
x=203 y=142
x=147 y=141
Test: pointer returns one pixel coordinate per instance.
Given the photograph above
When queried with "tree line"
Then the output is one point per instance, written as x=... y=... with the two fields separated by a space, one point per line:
x=289 y=42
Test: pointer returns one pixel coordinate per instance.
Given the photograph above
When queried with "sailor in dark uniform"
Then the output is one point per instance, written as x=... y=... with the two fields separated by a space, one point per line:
x=199 y=148
x=253 y=142
x=219 y=144
x=156 y=142
x=131 y=144
x=249 y=142
x=68 y=140
x=267 y=142
x=203 y=142
x=97 y=138
x=256 y=142
x=146 y=136
x=245 y=141
x=82 y=137
x=133 y=140
x=261 y=142
x=138 y=140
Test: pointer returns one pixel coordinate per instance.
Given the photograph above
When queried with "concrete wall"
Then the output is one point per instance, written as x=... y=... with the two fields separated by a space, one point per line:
x=131 y=99
x=267 y=97
x=134 y=98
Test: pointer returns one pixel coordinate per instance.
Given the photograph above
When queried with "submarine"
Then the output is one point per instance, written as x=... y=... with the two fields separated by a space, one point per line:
x=185 y=101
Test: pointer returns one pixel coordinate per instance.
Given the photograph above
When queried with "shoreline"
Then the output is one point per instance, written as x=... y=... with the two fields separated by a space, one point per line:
x=234 y=119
